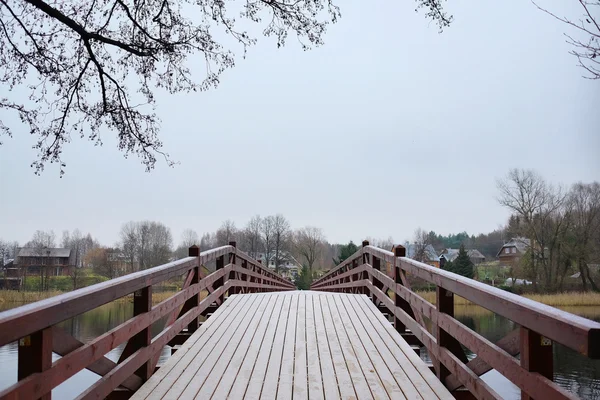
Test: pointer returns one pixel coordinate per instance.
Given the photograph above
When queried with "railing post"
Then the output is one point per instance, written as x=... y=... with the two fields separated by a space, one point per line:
x=219 y=264
x=35 y=355
x=444 y=304
x=194 y=251
x=142 y=303
x=399 y=251
x=536 y=355
x=232 y=259
x=365 y=274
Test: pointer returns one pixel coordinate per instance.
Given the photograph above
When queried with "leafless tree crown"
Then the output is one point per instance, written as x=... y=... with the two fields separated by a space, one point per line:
x=92 y=63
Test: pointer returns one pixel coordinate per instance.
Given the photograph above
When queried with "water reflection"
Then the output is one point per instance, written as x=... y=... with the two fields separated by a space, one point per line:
x=85 y=327
x=574 y=372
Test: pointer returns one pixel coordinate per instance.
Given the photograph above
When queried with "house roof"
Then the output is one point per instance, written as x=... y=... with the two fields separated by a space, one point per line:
x=34 y=252
x=521 y=243
x=474 y=253
x=430 y=252
x=451 y=254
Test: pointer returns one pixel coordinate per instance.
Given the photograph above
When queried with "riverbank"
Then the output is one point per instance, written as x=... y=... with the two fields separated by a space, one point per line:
x=567 y=299
x=13 y=298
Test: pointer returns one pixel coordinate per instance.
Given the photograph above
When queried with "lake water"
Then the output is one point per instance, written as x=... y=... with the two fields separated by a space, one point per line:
x=571 y=370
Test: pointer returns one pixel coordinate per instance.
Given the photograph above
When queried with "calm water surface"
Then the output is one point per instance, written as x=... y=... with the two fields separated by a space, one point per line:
x=571 y=370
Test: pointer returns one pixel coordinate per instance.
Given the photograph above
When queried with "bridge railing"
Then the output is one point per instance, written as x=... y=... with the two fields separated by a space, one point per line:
x=434 y=325
x=34 y=325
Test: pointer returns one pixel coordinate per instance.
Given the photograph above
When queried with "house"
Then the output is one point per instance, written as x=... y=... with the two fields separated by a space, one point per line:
x=288 y=265
x=10 y=276
x=450 y=255
x=511 y=252
x=56 y=261
x=430 y=256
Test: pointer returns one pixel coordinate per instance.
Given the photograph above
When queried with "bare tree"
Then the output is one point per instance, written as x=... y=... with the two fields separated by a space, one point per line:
x=208 y=241
x=42 y=242
x=267 y=231
x=584 y=200
x=189 y=238
x=226 y=233
x=540 y=206
x=96 y=64
x=281 y=235
x=421 y=239
x=308 y=242
x=252 y=236
x=385 y=244
x=586 y=50
x=130 y=243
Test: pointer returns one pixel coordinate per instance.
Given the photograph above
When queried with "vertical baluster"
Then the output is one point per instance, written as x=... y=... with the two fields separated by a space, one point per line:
x=193 y=301
x=35 y=355
x=142 y=303
x=536 y=355
x=445 y=304
x=365 y=274
x=220 y=263
x=232 y=274
x=399 y=251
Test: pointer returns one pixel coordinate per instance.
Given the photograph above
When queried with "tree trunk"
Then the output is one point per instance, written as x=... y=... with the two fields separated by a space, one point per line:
x=580 y=264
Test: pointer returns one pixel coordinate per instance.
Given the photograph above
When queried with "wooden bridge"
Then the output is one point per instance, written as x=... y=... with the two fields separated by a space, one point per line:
x=242 y=332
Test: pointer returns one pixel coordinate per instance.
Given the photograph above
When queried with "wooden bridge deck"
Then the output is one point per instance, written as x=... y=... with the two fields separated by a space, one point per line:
x=299 y=345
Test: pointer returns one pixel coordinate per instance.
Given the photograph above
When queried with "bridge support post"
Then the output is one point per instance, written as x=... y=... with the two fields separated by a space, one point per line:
x=142 y=302
x=232 y=259
x=376 y=262
x=399 y=251
x=536 y=355
x=444 y=304
x=35 y=355
x=220 y=264
x=194 y=251
x=365 y=274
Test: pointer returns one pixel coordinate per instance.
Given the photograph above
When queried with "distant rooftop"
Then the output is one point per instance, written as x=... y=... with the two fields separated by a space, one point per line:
x=46 y=252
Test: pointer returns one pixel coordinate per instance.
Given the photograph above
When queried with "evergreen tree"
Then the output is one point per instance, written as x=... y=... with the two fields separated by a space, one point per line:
x=345 y=252
x=462 y=265
x=304 y=279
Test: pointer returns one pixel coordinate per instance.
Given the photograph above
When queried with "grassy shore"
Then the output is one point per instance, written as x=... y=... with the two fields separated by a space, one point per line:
x=566 y=299
x=13 y=298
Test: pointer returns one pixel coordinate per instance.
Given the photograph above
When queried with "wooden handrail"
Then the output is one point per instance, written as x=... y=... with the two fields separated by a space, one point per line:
x=540 y=324
x=33 y=325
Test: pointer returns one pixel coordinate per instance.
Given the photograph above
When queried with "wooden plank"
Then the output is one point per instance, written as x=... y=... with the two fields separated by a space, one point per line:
x=343 y=369
x=410 y=381
x=251 y=376
x=234 y=352
x=315 y=376
x=271 y=380
x=387 y=368
x=158 y=385
x=331 y=384
x=235 y=379
x=187 y=385
x=300 y=356
x=286 y=371
x=364 y=378
x=402 y=351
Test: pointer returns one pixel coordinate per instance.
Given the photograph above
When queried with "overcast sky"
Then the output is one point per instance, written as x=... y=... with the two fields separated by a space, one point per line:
x=388 y=127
